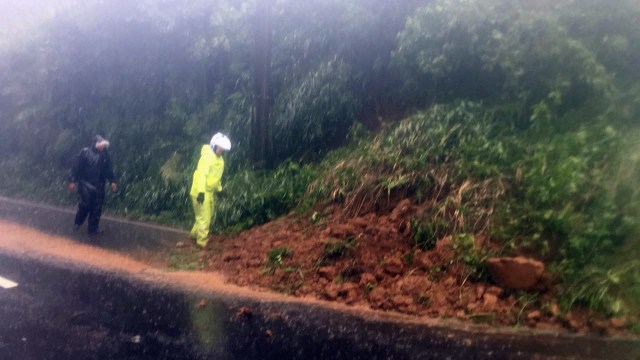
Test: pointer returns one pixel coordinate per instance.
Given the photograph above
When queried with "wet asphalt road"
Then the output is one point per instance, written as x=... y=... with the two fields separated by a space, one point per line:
x=64 y=311
x=122 y=235
x=59 y=311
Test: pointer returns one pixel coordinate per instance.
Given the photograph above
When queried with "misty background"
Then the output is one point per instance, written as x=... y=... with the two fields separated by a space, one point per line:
x=536 y=102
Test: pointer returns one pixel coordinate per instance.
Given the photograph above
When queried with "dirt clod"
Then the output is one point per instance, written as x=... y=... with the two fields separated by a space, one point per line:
x=244 y=311
x=201 y=304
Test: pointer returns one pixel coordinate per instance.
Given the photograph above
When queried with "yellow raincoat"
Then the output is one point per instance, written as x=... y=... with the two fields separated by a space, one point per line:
x=206 y=179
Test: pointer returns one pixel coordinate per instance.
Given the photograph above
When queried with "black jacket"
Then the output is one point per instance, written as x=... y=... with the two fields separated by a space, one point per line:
x=92 y=167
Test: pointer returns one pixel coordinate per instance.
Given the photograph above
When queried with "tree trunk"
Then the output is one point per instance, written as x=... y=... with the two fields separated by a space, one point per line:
x=262 y=70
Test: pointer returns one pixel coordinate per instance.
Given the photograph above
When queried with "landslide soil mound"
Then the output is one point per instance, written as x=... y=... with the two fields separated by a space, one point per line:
x=370 y=260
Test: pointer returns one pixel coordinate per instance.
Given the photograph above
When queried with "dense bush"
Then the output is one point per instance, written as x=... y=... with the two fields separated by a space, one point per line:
x=251 y=198
x=496 y=51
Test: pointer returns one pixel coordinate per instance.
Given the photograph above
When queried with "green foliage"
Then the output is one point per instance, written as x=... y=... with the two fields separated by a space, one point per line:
x=603 y=289
x=255 y=197
x=275 y=256
x=609 y=29
x=568 y=210
x=524 y=300
x=333 y=250
x=312 y=114
x=424 y=233
x=472 y=255
x=547 y=191
x=496 y=50
x=427 y=154
x=25 y=178
x=155 y=200
x=275 y=259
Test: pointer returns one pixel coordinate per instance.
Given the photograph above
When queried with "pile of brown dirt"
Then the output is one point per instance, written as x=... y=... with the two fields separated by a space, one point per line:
x=369 y=260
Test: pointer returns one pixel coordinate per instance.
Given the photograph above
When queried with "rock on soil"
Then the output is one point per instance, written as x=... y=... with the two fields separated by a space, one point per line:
x=516 y=272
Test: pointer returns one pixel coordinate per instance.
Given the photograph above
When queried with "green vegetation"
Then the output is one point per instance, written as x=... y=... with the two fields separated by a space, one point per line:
x=333 y=250
x=275 y=259
x=472 y=255
x=517 y=122
x=552 y=198
x=255 y=197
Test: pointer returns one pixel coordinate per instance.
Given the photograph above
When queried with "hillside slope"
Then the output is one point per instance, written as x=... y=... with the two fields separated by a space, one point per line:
x=406 y=220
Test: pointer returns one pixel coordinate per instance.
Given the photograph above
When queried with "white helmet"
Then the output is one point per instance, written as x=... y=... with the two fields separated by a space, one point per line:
x=222 y=141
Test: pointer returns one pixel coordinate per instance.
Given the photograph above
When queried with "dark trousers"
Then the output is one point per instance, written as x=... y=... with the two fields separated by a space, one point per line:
x=90 y=204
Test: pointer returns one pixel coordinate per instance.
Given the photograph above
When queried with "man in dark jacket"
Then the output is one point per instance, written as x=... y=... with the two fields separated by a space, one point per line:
x=88 y=175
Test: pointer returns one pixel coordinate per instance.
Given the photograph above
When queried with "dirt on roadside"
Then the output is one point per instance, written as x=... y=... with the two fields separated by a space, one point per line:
x=371 y=261
x=363 y=262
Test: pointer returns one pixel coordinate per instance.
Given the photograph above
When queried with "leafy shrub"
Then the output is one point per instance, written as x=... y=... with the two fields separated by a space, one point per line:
x=426 y=233
x=494 y=50
x=425 y=155
x=156 y=200
x=472 y=256
x=255 y=197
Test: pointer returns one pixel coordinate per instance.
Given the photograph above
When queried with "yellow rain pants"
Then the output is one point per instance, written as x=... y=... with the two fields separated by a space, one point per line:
x=206 y=179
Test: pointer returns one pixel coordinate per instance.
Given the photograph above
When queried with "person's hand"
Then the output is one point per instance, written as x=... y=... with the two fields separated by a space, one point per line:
x=72 y=186
x=200 y=198
x=114 y=187
x=222 y=194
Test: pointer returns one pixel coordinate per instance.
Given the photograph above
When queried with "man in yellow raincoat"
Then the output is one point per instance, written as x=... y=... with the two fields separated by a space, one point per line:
x=206 y=181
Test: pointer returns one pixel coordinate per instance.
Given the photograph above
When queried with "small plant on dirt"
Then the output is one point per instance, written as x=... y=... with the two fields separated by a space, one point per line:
x=275 y=259
x=276 y=255
x=525 y=300
x=434 y=272
x=408 y=257
x=472 y=256
x=369 y=287
x=423 y=234
x=336 y=249
x=350 y=272
x=423 y=300
x=339 y=280
x=598 y=288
